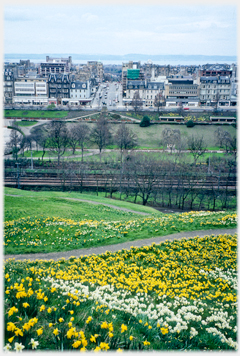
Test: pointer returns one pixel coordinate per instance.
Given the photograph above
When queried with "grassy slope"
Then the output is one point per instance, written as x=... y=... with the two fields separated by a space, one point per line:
x=54 y=204
x=31 y=226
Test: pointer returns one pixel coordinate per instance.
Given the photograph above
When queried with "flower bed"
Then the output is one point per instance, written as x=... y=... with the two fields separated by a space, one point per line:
x=35 y=234
x=178 y=295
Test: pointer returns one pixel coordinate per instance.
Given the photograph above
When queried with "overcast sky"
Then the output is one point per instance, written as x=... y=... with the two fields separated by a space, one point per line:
x=121 y=29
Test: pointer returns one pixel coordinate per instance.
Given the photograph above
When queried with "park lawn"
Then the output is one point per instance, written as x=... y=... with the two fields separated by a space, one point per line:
x=49 y=221
x=179 y=295
x=151 y=136
x=49 y=154
x=26 y=123
x=46 y=198
x=116 y=156
x=35 y=113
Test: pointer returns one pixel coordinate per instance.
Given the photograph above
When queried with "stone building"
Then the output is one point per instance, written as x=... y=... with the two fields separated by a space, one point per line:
x=215 y=90
x=59 y=86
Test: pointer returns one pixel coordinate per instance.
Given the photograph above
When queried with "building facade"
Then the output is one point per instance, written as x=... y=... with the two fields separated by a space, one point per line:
x=58 y=87
x=181 y=88
x=215 y=90
x=31 y=91
x=8 y=85
x=80 y=92
x=55 y=66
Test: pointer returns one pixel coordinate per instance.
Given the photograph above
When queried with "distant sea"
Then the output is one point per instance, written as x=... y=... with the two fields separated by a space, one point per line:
x=118 y=60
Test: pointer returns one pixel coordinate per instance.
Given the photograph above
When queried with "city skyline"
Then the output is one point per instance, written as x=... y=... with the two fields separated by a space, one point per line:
x=121 y=29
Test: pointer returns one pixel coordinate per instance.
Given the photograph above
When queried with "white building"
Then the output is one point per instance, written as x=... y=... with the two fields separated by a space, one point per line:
x=215 y=90
x=80 y=92
x=32 y=91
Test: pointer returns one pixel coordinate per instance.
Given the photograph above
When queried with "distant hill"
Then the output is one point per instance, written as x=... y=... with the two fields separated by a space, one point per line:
x=134 y=57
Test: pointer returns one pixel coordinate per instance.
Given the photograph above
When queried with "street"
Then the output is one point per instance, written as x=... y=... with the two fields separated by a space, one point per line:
x=109 y=95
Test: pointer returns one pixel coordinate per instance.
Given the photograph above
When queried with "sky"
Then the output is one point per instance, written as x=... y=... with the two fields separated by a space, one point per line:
x=77 y=28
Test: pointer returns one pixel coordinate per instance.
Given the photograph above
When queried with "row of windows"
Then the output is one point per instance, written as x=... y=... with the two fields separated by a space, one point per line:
x=214 y=97
x=78 y=90
x=184 y=87
x=23 y=89
x=24 y=85
x=220 y=85
x=76 y=96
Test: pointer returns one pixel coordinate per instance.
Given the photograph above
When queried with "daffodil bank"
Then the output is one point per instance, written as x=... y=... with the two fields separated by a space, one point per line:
x=31 y=234
x=177 y=295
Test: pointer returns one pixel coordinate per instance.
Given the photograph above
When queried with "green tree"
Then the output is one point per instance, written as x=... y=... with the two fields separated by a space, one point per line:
x=145 y=121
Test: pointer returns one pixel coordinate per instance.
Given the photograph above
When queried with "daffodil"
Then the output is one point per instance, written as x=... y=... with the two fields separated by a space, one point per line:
x=123 y=328
x=56 y=331
x=19 y=347
x=7 y=347
x=34 y=343
x=39 y=331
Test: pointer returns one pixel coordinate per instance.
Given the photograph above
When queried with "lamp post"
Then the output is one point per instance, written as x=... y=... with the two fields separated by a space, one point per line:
x=31 y=160
x=18 y=176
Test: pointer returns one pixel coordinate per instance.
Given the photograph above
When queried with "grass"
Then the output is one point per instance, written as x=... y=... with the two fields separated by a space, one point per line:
x=37 y=221
x=26 y=123
x=35 y=113
x=179 y=295
x=47 y=207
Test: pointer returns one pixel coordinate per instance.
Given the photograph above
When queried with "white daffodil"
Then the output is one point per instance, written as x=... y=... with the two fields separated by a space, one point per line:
x=19 y=347
x=7 y=348
x=34 y=343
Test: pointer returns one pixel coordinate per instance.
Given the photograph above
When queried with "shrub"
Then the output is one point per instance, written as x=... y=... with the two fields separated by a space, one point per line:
x=116 y=116
x=190 y=123
x=145 y=121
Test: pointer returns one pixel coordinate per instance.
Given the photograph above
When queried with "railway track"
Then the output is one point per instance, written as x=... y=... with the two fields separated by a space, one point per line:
x=95 y=181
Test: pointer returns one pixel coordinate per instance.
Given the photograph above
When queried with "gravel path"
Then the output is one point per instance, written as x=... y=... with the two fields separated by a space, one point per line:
x=117 y=247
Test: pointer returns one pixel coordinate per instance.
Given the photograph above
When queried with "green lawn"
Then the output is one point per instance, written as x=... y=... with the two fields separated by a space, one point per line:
x=26 y=123
x=74 y=209
x=47 y=221
x=35 y=113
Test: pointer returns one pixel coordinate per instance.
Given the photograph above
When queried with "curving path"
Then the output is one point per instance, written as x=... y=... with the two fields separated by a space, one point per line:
x=109 y=205
x=117 y=247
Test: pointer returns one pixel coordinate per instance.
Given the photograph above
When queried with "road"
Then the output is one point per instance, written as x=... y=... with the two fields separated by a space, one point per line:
x=106 y=95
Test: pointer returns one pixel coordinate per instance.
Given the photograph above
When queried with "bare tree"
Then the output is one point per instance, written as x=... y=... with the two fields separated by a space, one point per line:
x=101 y=134
x=82 y=135
x=15 y=143
x=224 y=140
x=171 y=138
x=72 y=140
x=159 y=100
x=136 y=101
x=144 y=172
x=28 y=140
x=58 y=138
x=40 y=135
x=125 y=138
x=197 y=146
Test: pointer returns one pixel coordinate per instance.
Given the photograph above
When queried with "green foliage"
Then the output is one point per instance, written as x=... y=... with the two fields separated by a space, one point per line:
x=190 y=123
x=145 y=122
x=51 y=106
x=116 y=116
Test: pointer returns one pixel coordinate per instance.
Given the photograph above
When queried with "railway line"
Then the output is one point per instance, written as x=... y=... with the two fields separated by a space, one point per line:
x=108 y=182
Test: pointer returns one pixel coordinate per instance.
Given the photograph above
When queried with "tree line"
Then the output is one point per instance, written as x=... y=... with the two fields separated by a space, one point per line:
x=170 y=181
x=57 y=138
